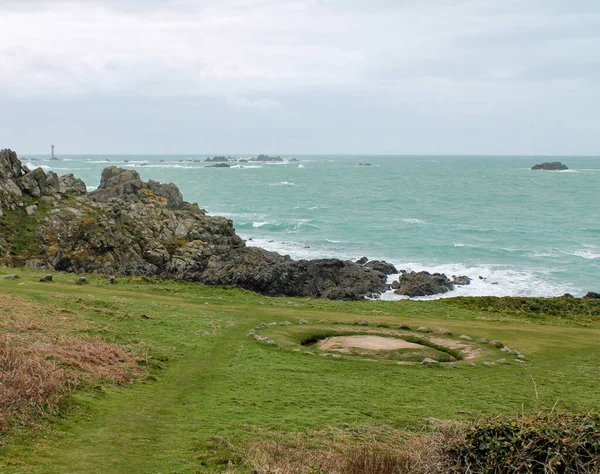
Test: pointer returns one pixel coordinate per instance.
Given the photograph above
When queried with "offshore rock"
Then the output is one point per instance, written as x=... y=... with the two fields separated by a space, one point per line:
x=592 y=294
x=550 y=166
x=131 y=227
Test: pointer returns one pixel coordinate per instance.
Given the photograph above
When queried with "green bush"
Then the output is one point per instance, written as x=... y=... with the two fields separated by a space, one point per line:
x=554 y=443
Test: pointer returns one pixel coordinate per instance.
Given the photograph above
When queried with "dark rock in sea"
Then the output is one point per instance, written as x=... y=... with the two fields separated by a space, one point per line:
x=243 y=161
x=550 y=166
x=294 y=159
x=131 y=227
x=267 y=158
x=381 y=266
x=364 y=164
x=568 y=295
x=592 y=294
x=461 y=280
x=362 y=260
x=217 y=159
x=220 y=165
x=423 y=284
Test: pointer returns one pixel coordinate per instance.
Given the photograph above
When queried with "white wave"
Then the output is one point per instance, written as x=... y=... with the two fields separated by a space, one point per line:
x=300 y=166
x=557 y=253
x=260 y=224
x=314 y=207
x=32 y=166
x=296 y=250
x=162 y=165
x=411 y=220
x=282 y=183
x=587 y=254
x=333 y=241
x=91 y=188
x=98 y=161
x=497 y=280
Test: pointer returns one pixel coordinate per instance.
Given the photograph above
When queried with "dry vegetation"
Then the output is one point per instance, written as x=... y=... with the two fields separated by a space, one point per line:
x=554 y=443
x=376 y=452
x=39 y=366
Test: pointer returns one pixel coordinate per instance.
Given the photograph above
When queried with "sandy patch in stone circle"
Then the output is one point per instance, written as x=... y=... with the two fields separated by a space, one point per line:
x=377 y=343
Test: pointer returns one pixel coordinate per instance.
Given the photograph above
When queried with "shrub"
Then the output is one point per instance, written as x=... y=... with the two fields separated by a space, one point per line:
x=554 y=443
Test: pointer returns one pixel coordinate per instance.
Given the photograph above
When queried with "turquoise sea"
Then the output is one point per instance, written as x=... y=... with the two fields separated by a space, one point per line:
x=529 y=233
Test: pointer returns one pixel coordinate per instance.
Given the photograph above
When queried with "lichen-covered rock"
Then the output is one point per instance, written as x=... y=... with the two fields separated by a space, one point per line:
x=69 y=184
x=10 y=165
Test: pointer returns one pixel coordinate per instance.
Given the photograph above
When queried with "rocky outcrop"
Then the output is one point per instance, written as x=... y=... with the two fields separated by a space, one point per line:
x=131 y=227
x=116 y=183
x=17 y=183
x=423 y=284
x=592 y=294
x=550 y=166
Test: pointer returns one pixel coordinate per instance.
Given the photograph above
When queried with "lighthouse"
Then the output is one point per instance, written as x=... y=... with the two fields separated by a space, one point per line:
x=52 y=148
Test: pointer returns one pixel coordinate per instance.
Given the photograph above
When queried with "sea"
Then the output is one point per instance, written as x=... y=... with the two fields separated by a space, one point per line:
x=514 y=231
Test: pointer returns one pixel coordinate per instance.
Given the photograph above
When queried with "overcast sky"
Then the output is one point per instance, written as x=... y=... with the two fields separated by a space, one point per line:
x=301 y=76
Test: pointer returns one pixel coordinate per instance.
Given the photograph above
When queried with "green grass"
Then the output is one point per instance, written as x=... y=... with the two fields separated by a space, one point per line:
x=211 y=387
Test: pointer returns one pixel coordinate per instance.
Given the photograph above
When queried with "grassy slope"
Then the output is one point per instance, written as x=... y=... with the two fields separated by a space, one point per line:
x=220 y=387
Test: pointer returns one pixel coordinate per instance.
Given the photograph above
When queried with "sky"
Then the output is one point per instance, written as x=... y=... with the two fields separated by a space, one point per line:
x=301 y=76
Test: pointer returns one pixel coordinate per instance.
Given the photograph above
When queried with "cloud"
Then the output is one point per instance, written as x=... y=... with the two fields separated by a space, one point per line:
x=473 y=55
x=262 y=103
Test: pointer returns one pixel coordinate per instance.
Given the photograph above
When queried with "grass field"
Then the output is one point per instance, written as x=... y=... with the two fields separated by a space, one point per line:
x=206 y=393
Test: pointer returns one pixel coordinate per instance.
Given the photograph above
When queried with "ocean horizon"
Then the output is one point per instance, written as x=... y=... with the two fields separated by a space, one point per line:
x=514 y=231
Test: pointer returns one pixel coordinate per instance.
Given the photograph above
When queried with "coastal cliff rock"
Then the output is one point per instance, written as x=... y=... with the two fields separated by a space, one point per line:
x=131 y=227
x=550 y=166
